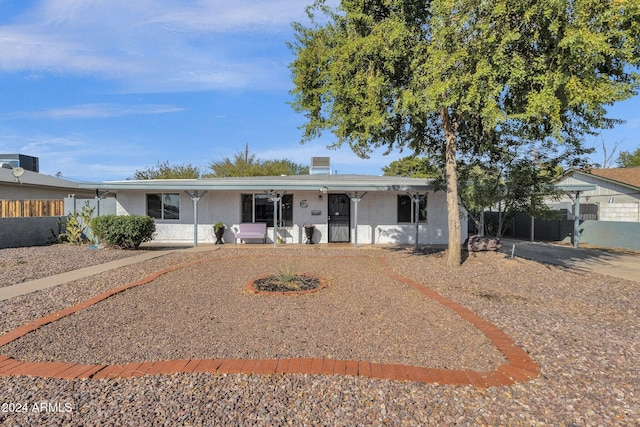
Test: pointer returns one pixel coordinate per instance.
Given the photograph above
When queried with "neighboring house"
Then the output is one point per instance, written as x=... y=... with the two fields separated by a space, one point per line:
x=32 y=205
x=343 y=208
x=615 y=198
x=34 y=186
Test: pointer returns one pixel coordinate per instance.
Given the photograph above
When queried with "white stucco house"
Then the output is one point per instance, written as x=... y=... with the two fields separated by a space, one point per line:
x=353 y=209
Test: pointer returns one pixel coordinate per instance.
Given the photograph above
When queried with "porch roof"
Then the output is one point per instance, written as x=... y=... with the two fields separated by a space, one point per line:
x=572 y=188
x=323 y=183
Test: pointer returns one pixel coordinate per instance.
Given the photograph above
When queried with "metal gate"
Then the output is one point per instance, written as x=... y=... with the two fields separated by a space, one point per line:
x=339 y=218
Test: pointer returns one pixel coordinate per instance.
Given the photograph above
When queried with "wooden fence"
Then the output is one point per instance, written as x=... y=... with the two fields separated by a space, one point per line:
x=31 y=208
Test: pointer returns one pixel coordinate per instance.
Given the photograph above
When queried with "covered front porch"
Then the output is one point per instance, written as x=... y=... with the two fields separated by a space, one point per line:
x=342 y=208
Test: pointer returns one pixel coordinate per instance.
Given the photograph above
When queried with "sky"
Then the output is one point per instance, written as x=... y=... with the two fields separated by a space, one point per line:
x=98 y=89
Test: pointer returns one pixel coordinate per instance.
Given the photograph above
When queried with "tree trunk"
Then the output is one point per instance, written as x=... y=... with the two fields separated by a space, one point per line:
x=453 y=211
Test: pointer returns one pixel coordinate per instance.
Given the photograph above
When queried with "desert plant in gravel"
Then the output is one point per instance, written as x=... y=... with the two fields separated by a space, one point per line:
x=286 y=275
x=76 y=226
x=126 y=232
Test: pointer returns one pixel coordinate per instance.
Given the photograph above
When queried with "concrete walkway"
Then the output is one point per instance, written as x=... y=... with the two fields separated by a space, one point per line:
x=610 y=263
x=24 y=288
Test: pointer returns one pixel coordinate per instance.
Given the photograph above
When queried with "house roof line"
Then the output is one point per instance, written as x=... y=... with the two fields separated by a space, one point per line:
x=606 y=175
x=322 y=183
x=35 y=179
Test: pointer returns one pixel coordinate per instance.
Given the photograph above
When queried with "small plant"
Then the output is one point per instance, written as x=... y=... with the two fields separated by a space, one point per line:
x=218 y=231
x=286 y=280
x=286 y=274
x=77 y=224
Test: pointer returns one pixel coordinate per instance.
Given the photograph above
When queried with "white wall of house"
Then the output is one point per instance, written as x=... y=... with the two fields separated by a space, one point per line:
x=615 y=202
x=377 y=218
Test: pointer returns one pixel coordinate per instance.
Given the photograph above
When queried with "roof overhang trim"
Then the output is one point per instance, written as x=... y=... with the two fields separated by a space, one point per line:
x=191 y=185
x=572 y=188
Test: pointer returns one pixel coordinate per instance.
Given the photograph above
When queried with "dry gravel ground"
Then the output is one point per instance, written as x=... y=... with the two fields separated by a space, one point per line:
x=19 y=265
x=582 y=329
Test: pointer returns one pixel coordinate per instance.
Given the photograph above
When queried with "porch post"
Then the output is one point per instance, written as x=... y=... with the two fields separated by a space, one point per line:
x=575 y=238
x=416 y=198
x=356 y=199
x=276 y=198
x=195 y=198
x=576 y=220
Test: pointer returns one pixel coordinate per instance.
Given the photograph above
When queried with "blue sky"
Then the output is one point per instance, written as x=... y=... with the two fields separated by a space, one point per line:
x=98 y=89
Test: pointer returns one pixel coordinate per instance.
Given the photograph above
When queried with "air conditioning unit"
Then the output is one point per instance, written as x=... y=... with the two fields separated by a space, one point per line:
x=320 y=166
x=20 y=160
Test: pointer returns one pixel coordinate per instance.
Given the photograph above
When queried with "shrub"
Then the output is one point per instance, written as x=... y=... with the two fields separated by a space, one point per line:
x=126 y=232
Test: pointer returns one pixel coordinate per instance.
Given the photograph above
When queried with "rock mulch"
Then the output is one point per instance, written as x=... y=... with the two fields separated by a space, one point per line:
x=295 y=284
x=19 y=265
x=582 y=329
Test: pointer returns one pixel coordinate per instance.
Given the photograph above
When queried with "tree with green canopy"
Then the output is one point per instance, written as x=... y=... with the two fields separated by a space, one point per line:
x=412 y=167
x=510 y=187
x=463 y=76
x=165 y=170
x=628 y=159
x=245 y=164
x=507 y=183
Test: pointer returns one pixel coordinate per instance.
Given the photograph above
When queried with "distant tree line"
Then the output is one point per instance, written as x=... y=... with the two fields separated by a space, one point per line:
x=241 y=164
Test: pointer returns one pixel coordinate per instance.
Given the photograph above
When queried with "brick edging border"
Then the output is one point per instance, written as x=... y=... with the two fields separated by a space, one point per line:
x=520 y=366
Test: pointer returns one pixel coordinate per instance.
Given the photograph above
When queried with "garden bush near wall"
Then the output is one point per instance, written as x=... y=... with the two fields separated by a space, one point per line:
x=126 y=232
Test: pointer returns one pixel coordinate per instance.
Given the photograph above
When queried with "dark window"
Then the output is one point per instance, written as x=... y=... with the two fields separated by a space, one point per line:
x=163 y=206
x=259 y=208
x=263 y=209
x=286 y=210
x=588 y=211
x=406 y=209
x=247 y=208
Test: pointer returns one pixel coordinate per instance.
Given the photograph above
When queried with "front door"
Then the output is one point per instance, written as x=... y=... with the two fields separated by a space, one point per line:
x=339 y=218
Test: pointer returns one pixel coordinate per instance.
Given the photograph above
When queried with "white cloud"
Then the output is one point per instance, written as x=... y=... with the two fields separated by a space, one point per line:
x=90 y=111
x=146 y=45
x=74 y=155
x=240 y=15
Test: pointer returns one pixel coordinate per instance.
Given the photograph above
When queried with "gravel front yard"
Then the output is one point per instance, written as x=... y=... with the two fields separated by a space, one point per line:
x=19 y=265
x=581 y=329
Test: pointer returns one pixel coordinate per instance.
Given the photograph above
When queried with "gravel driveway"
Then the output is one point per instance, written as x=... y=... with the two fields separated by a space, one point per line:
x=581 y=329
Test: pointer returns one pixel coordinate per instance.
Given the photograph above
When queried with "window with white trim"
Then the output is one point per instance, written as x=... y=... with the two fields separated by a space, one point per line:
x=259 y=208
x=163 y=205
x=407 y=209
